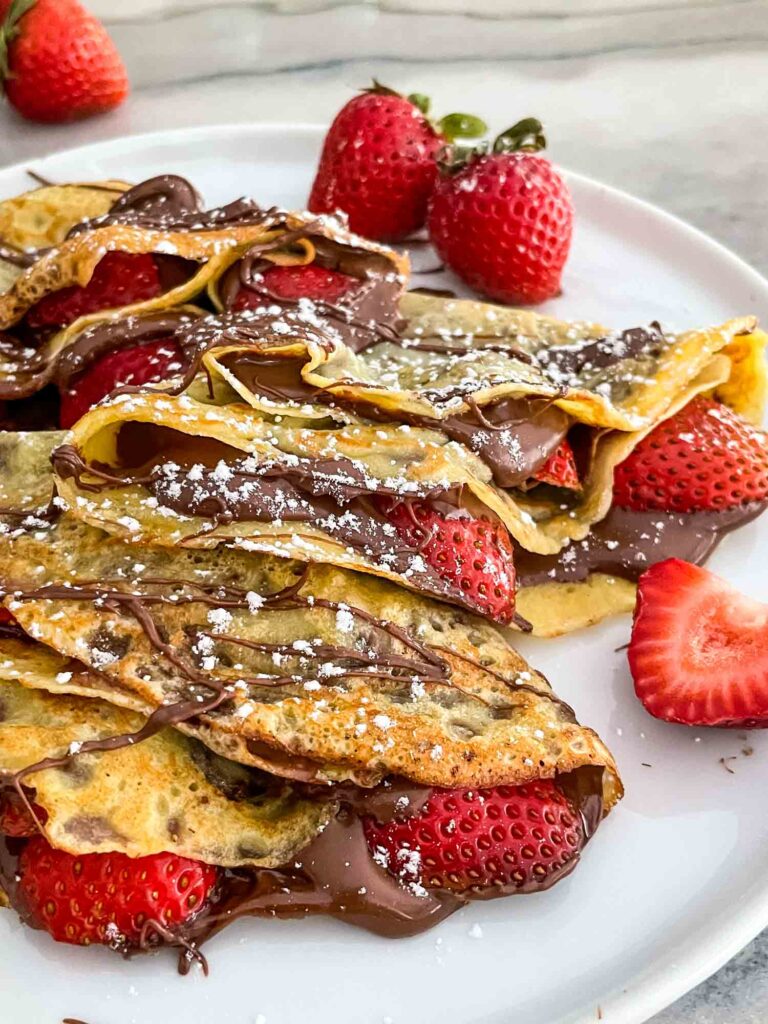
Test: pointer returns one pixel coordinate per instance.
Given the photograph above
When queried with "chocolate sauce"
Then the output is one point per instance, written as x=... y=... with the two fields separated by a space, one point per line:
x=626 y=543
x=365 y=314
x=169 y=202
x=335 y=495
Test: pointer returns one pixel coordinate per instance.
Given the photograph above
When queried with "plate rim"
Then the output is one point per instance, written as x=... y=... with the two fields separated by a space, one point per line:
x=649 y=993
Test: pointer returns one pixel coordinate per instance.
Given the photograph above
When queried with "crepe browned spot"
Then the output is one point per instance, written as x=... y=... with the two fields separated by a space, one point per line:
x=168 y=793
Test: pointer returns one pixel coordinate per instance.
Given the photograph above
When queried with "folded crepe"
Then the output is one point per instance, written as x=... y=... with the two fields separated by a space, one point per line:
x=190 y=247
x=225 y=705
x=200 y=468
x=168 y=793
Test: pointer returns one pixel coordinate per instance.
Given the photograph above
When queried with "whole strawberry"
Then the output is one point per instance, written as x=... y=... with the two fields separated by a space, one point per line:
x=703 y=458
x=473 y=554
x=379 y=165
x=483 y=842
x=502 y=219
x=108 y=897
x=57 y=62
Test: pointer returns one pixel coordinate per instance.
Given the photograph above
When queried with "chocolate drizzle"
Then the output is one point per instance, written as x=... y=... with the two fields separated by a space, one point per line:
x=196 y=477
x=169 y=202
x=365 y=314
x=628 y=542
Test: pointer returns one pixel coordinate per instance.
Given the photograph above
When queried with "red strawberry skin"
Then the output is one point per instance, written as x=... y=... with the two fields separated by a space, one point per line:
x=560 y=468
x=705 y=457
x=119 y=279
x=140 y=364
x=699 y=649
x=99 y=896
x=483 y=842
x=61 y=62
x=474 y=554
x=378 y=166
x=293 y=283
x=503 y=223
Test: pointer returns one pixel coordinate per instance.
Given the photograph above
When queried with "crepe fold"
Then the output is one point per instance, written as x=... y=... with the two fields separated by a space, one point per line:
x=191 y=249
x=389 y=436
x=168 y=793
x=308 y=672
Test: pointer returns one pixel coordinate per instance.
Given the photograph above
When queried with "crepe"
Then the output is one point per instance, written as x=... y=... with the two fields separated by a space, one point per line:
x=191 y=247
x=168 y=793
x=141 y=484
x=44 y=216
x=329 y=675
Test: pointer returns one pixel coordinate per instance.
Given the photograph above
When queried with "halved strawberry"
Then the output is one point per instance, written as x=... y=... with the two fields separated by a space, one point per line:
x=293 y=283
x=703 y=457
x=560 y=468
x=473 y=554
x=15 y=819
x=476 y=841
x=140 y=364
x=699 y=648
x=119 y=279
x=108 y=897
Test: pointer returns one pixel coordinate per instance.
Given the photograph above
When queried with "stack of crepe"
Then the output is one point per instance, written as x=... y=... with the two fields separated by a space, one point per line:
x=216 y=643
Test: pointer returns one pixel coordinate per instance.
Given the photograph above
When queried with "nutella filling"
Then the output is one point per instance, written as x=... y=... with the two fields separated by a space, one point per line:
x=365 y=314
x=627 y=542
x=205 y=478
x=337 y=875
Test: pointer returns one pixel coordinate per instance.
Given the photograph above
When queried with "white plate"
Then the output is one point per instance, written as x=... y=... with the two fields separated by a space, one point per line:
x=675 y=882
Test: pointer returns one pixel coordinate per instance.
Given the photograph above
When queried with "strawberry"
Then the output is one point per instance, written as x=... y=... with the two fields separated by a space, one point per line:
x=378 y=162
x=292 y=283
x=5 y=616
x=502 y=220
x=57 y=62
x=478 y=841
x=475 y=555
x=139 y=364
x=705 y=457
x=699 y=649
x=560 y=468
x=119 y=279
x=15 y=819
x=109 y=897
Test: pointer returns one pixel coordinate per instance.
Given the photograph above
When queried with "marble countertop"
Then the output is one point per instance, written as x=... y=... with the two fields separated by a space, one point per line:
x=663 y=98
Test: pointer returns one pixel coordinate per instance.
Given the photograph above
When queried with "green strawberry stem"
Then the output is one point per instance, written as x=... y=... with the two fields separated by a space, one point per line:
x=527 y=136
x=9 y=29
x=461 y=126
x=452 y=126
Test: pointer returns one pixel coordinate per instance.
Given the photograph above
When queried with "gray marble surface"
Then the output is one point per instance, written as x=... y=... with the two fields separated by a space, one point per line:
x=664 y=98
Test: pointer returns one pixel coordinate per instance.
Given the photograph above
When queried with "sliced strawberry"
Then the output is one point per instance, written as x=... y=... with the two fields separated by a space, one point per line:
x=475 y=555
x=560 y=468
x=5 y=616
x=119 y=279
x=15 y=819
x=703 y=457
x=293 y=283
x=699 y=648
x=140 y=364
x=475 y=841
x=108 y=897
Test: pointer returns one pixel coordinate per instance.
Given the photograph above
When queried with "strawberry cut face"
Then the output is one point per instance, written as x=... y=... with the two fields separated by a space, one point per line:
x=119 y=279
x=699 y=649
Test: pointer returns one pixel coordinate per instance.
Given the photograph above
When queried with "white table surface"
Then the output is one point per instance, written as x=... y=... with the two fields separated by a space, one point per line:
x=663 y=98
